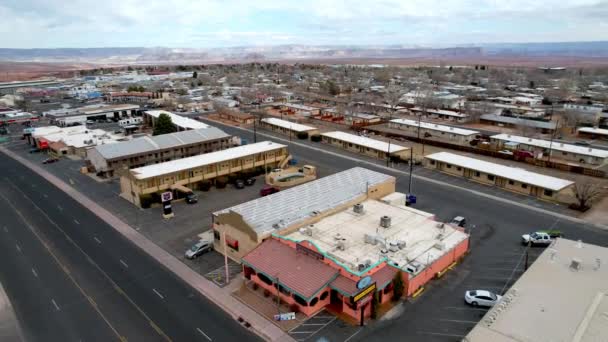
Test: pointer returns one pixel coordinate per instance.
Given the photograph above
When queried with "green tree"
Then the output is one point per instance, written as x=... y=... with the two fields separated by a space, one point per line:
x=195 y=74
x=164 y=125
x=332 y=87
x=397 y=286
x=181 y=91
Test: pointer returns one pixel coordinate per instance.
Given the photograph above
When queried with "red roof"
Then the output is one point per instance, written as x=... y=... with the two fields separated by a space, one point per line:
x=348 y=286
x=297 y=271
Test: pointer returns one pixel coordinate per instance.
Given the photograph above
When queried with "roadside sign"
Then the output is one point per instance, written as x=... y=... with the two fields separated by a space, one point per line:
x=285 y=317
x=166 y=196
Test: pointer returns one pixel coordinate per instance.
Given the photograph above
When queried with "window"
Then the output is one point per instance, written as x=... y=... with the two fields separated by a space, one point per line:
x=324 y=295
x=511 y=182
x=216 y=235
x=524 y=186
x=449 y=166
x=477 y=174
x=299 y=300
x=432 y=162
x=264 y=279
x=284 y=290
x=548 y=193
x=491 y=177
x=459 y=168
x=314 y=301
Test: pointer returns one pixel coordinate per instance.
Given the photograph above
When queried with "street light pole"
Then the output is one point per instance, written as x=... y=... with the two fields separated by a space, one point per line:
x=388 y=153
x=409 y=188
x=551 y=143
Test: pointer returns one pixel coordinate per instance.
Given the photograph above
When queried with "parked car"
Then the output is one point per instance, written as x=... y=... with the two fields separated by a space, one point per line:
x=198 y=249
x=536 y=239
x=268 y=190
x=34 y=150
x=90 y=122
x=524 y=154
x=250 y=181
x=582 y=143
x=507 y=152
x=191 y=198
x=239 y=183
x=459 y=221
x=481 y=298
x=50 y=160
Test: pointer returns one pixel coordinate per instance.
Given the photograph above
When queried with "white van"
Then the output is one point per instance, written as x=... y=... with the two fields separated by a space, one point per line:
x=130 y=121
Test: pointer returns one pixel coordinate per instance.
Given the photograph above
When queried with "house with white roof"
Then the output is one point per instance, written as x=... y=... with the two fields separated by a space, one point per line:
x=289 y=128
x=432 y=131
x=366 y=146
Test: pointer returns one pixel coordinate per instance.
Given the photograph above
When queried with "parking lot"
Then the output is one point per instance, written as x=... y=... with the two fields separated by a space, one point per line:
x=324 y=327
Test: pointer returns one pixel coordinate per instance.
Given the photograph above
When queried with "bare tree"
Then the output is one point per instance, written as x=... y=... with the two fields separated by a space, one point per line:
x=392 y=98
x=525 y=129
x=585 y=191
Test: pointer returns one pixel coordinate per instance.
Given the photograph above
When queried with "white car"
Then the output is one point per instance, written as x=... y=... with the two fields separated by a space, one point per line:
x=481 y=298
x=536 y=239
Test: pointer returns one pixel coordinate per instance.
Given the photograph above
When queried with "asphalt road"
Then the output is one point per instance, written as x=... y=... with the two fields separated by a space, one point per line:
x=90 y=284
x=495 y=261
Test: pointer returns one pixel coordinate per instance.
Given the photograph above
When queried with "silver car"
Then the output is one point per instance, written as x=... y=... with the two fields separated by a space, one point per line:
x=198 y=249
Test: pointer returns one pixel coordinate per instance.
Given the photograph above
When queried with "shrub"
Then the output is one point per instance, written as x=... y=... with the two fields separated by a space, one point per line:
x=302 y=135
x=315 y=138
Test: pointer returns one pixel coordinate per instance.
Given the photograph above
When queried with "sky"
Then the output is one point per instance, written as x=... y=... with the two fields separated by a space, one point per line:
x=223 y=23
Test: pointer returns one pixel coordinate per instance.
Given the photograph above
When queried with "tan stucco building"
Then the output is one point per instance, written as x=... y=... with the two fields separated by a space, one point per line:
x=365 y=146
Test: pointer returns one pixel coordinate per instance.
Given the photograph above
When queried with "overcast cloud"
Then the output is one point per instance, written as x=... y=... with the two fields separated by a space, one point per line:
x=215 y=23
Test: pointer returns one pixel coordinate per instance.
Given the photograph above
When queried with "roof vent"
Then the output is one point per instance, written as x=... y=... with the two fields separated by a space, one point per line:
x=393 y=246
x=358 y=208
x=579 y=244
x=575 y=264
x=385 y=221
x=341 y=245
x=371 y=239
x=337 y=236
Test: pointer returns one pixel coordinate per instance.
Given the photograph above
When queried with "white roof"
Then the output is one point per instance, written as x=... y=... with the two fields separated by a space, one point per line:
x=299 y=106
x=516 y=174
x=442 y=112
x=551 y=301
x=203 y=159
x=363 y=141
x=435 y=127
x=557 y=146
x=288 y=125
x=178 y=120
x=593 y=130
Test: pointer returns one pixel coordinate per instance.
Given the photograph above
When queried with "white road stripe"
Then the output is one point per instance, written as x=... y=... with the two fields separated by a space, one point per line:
x=97 y=240
x=56 y=306
x=124 y=263
x=5 y=229
x=59 y=207
x=458 y=321
x=34 y=272
x=439 y=334
x=202 y=333
x=18 y=248
x=76 y=221
x=158 y=294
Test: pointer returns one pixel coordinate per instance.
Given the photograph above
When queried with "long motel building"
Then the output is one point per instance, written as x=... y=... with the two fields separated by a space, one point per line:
x=335 y=242
x=431 y=131
x=287 y=127
x=182 y=175
x=366 y=146
x=506 y=177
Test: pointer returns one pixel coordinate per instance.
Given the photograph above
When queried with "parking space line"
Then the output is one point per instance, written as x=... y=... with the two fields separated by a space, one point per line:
x=457 y=321
x=353 y=335
x=440 y=334
x=464 y=308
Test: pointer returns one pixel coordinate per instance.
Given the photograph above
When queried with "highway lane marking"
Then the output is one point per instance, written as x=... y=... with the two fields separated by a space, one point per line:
x=124 y=263
x=97 y=240
x=439 y=334
x=76 y=221
x=34 y=272
x=158 y=294
x=56 y=306
x=457 y=321
x=202 y=333
x=59 y=207
x=18 y=248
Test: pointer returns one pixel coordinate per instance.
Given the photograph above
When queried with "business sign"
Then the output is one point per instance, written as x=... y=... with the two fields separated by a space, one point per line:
x=370 y=289
x=166 y=196
x=285 y=317
x=364 y=282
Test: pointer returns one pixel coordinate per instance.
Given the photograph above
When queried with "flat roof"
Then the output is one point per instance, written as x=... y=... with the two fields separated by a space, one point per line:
x=441 y=112
x=299 y=106
x=436 y=127
x=178 y=120
x=552 y=301
x=519 y=121
x=508 y=172
x=422 y=239
x=204 y=159
x=593 y=130
x=364 y=116
x=160 y=142
x=367 y=142
x=288 y=125
x=557 y=146
x=299 y=203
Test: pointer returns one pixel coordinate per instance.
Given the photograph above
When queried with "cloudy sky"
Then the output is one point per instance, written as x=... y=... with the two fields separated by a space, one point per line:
x=215 y=23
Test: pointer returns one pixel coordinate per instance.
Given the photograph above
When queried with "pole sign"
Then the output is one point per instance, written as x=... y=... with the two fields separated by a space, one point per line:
x=285 y=317
x=166 y=196
x=364 y=282
x=370 y=289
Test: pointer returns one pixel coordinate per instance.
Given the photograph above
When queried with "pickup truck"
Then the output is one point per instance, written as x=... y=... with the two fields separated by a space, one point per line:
x=536 y=239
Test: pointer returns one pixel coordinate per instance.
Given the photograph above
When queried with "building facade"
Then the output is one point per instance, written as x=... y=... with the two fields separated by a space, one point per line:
x=431 y=131
x=365 y=146
x=287 y=127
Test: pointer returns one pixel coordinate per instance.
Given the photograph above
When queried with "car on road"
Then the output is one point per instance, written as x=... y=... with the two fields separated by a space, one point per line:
x=481 y=298
x=268 y=190
x=50 y=160
x=239 y=183
x=34 y=150
x=250 y=181
x=191 y=198
x=198 y=249
x=459 y=221
x=536 y=239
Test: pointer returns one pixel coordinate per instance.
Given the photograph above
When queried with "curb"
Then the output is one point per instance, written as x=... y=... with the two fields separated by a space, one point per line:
x=236 y=310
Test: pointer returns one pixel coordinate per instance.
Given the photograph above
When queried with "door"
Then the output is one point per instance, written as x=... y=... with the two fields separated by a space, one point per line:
x=336 y=300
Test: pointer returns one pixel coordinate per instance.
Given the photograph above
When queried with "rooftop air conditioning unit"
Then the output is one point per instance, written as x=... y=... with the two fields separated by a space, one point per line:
x=371 y=239
x=360 y=267
x=575 y=264
x=440 y=246
x=385 y=221
x=401 y=244
x=393 y=246
x=368 y=262
x=341 y=245
x=358 y=208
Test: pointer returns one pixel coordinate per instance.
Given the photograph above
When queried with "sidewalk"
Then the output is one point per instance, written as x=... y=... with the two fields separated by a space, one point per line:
x=265 y=329
x=10 y=330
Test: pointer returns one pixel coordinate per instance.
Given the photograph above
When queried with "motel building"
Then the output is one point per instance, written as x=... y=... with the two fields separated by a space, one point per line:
x=593 y=132
x=181 y=123
x=182 y=175
x=287 y=127
x=506 y=177
x=334 y=242
x=366 y=146
x=431 y=131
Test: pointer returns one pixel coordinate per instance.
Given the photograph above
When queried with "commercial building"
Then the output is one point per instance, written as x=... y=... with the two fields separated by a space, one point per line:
x=287 y=127
x=562 y=297
x=592 y=132
x=146 y=183
x=431 y=131
x=509 y=178
x=79 y=116
x=518 y=122
x=130 y=97
x=111 y=160
x=343 y=259
x=181 y=123
x=70 y=140
x=9 y=116
x=366 y=146
x=540 y=148
x=12 y=87
x=361 y=119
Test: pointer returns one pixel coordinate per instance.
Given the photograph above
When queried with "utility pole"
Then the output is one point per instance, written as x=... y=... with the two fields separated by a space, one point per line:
x=553 y=137
x=226 y=258
x=388 y=153
x=409 y=187
x=255 y=135
x=420 y=140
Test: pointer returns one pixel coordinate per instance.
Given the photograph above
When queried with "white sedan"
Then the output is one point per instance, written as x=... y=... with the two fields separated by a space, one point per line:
x=481 y=298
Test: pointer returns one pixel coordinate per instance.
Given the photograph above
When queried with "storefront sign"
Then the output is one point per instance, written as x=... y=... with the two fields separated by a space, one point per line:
x=370 y=289
x=285 y=317
x=166 y=196
x=364 y=282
